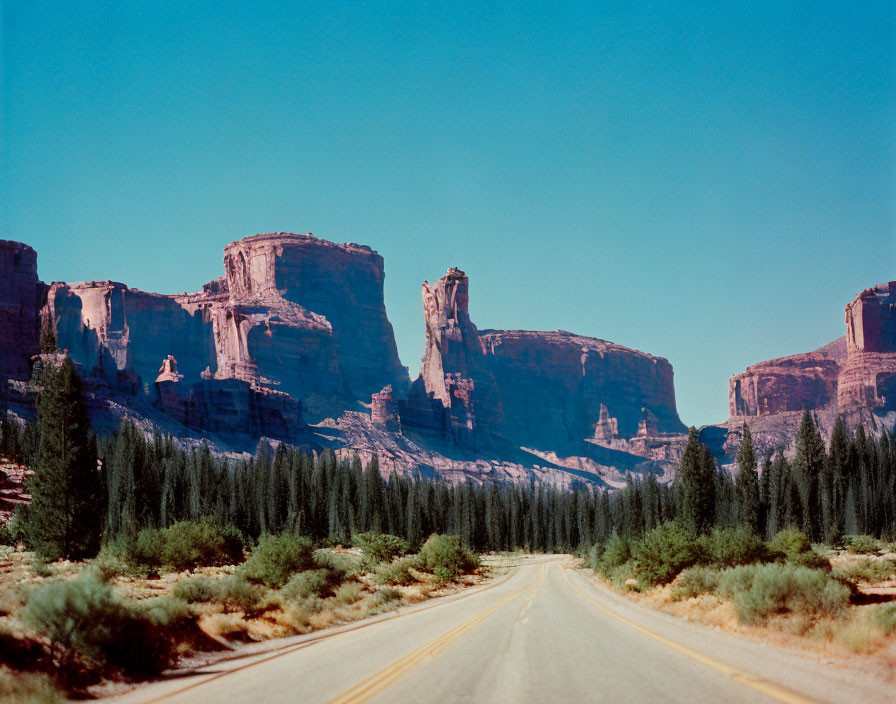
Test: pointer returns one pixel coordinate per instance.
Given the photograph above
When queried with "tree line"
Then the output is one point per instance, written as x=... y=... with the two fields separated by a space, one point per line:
x=87 y=490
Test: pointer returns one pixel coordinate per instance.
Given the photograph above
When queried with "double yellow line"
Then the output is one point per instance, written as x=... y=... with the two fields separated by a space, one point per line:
x=782 y=694
x=376 y=683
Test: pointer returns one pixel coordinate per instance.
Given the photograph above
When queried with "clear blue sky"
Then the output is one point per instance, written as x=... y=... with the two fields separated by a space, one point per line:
x=707 y=182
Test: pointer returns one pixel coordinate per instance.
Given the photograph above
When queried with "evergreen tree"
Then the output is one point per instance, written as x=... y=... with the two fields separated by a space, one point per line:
x=63 y=519
x=696 y=479
x=808 y=465
x=747 y=482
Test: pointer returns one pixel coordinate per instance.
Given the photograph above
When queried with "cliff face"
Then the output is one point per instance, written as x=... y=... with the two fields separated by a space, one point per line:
x=868 y=379
x=553 y=385
x=295 y=323
x=309 y=314
x=526 y=388
x=801 y=381
x=20 y=300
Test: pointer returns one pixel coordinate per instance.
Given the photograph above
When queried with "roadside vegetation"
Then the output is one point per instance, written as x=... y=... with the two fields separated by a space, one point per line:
x=765 y=553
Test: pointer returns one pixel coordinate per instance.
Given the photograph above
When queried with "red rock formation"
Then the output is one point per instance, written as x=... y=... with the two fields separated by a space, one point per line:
x=384 y=410
x=293 y=314
x=607 y=428
x=525 y=388
x=868 y=378
x=20 y=300
x=455 y=383
x=795 y=383
x=553 y=384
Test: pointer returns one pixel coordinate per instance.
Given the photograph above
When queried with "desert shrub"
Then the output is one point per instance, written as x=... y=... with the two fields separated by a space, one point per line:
x=163 y=610
x=196 y=589
x=447 y=557
x=182 y=546
x=108 y=565
x=695 y=581
x=85 y=620
x=309 y=583
x=793 y=546
x=862 y=544
x=729 y=547
x=344 y=564
x=237 y=592
x=760 y=591
x=6 y=536
x=277 y=557
x=867 y=569
x=396 y=572
x=615 y=554
x=384 y=595
x=885 y=617
x=234 y=592
x=624 y=577
x=349 y=592
x=380 y=547
x=34 y=688
x=661 y=553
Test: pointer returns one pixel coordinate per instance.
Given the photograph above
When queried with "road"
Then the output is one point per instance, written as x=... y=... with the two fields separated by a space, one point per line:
x=546 y=633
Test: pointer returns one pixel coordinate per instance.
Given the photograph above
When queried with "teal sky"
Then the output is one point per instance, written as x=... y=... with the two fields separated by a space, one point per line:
x=710 y=182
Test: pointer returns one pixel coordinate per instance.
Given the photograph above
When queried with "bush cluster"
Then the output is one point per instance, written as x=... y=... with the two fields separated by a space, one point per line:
x=396 y=572
x=864 y=544
x=87 y=623
x=234 y=591
x=446 y=557
x=380 y=547
x=182 y=546
x=277 y=557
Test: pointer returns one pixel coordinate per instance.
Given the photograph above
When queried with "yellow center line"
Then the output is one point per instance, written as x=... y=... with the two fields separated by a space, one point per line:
x=770 y=689
x=377 y=682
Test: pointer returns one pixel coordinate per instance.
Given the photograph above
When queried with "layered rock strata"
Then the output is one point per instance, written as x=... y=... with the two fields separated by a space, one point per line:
x=868 y=378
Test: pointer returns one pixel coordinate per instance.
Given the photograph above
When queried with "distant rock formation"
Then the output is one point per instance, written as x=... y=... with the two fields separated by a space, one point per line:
x=545 y=390
x=868 y=378
x=20 y=300
x=295 y=324
x=853 y=377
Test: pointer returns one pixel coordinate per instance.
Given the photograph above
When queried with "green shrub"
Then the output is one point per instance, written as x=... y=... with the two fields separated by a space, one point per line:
x=863 y=544
x=624 y=576
x=885 y=617
x=695 y=581
x=380 y=547
x=309 y=583
x=593 y=556
x=182 y=546
x=196 y=589
x=729 y=547
x=233 y=591
x=616 y=553
x=793 y=546
x=447 y=557
x=277 y=557
x=760 y=591
x=349 y=592
x=6 y=536
x=660 y=554
x=396 y=572
x=343 y=564
x=384 y=599
x=163 y=610
x=867 y=569
x=86 y=621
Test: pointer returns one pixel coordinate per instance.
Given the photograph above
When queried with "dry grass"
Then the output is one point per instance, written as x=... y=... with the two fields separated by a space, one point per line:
x=33 y=688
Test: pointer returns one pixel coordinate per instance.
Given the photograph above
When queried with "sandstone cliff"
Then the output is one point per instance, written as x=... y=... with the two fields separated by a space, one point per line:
x=521 y=388
x=20 y=300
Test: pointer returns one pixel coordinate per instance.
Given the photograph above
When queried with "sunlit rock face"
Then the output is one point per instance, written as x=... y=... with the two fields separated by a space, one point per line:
x=526 y=388
x=309 y=314
x=795 y=383
x=20 y=300
x=299 y=322
x=868 y=378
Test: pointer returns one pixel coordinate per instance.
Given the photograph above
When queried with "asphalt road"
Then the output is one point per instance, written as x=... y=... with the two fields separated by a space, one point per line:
x=544 y=634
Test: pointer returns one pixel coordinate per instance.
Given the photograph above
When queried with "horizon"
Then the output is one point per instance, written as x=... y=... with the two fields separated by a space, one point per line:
x=717 y=177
